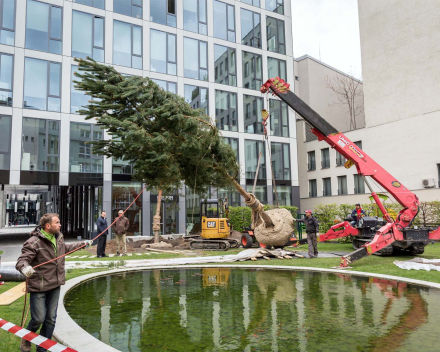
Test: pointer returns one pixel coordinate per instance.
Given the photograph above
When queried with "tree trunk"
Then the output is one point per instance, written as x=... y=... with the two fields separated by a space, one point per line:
x=156 y=218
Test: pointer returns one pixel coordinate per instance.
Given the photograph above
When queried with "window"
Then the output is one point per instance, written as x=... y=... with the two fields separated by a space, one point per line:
x=195 y=59
x=250 y=28
x=121 y=167
x=224 y=21
x=127 y=45
x=5 y=141
x=100 y=4
x=311 y=161
x=276 y=68
x=359 y=185
x=131 y=8
x=194 y=16
x=81 y=157
x=279 y=118
x=7 y=22
x=281 y=160
x=340 y=160
x=163 y=52
x=42 y=85
x=275 y=6
x=225 y=65
x=253 y=149
x=226 y=110
x=166 y=86
x=284 y=194
x=78 y=98
x=42 y=152
x=260 y=192
x=326 y=187
x=43 y=27
x=342 y=185
x=275 y=35
x=87 y=36
x=197 y=97
x=233 y=142
x=325 y=158
x=313 y=192
x=233 y=196
x=252 y=107
x=6 y=72
x=358 y=143
x=163 y=12
x=252 y=2
x=252 y=71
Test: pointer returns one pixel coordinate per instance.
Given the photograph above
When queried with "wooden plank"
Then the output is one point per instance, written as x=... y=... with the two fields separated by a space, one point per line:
x=11 y=295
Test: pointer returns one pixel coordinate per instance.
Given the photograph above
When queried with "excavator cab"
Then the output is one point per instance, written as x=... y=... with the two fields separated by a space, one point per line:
x=214 y=224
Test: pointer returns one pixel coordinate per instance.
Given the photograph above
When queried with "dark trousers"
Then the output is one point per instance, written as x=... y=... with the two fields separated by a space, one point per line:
x=102 y=242
x=313 y=244
x=44 y=307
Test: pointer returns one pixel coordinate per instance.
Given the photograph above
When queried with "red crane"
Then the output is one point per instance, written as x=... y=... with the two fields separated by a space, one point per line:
x=396 y=232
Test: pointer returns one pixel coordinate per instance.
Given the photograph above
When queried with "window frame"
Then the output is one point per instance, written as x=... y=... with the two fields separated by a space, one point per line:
x=282 y=107
x=313 y=191
x=8 y=152
x=167 y=61
x=228 y=140
x=259 y=3
x=167 y=13
x=92 y=34
x=283 y=156
x=341 y=181
x=259 y=46
x=228 y=74
x=311 y=164
x=132 y=5
x=277 y=2
x=252 y=72
x=229 y=108
x=278 y=61
x=200 y=94
x=12 y=79
x=327 y=191
x=131 y=44
x=340 y=159
x=167 y=83
x=14 y=19
x=358 y=180
x=48 y=95
x=227 y=8
x=259 y=130
x=278 y=44
x=262 y=173
x=46 y=154
x=199 y=55
x=93 y=4
x=49 y=38
x=199 y=22
x=324 y=160
x=91 y=155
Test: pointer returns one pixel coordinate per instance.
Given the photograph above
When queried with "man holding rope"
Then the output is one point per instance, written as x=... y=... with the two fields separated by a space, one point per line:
x=46 y=242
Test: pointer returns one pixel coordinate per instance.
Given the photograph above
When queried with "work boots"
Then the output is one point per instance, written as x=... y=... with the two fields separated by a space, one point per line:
x=25 y=346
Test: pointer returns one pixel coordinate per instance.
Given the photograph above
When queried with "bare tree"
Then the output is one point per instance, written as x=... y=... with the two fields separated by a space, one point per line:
x=348 y=94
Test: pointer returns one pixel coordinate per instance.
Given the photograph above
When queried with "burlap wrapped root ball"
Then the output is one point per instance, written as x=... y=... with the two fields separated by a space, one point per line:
x=279 y=234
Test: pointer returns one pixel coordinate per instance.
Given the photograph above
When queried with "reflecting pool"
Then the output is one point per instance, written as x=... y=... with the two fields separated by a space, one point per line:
x=221 y=309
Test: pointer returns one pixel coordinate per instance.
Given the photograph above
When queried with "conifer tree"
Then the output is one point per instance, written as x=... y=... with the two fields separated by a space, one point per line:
x=166 y=141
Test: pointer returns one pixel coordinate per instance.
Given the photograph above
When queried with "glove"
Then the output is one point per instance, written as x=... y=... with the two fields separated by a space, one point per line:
x=28 y=271
x=88 y=243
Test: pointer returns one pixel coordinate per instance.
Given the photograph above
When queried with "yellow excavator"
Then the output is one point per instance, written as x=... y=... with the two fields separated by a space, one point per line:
x=215 y=228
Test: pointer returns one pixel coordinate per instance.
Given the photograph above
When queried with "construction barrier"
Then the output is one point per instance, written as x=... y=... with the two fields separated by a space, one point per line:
x=32 y=337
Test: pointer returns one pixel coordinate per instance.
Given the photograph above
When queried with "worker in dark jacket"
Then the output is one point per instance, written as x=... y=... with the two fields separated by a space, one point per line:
x=46 y=242
x=102 y=240
x=312 y=229
x=357 y=214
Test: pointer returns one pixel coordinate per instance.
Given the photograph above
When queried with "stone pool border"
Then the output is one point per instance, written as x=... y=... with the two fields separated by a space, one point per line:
x=72 y=335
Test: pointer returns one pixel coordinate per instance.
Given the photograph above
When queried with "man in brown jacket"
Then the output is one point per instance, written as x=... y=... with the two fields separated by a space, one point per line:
x=120 y=227
x=46 y=242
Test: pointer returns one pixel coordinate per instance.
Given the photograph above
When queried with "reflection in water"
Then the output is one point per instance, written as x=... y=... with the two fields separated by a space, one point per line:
x=215 y=309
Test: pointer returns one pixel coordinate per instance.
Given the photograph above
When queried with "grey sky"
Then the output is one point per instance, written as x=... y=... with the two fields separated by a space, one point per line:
x=332 y=25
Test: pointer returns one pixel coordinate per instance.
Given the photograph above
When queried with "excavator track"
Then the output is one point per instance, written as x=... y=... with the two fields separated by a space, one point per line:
x=211 y=245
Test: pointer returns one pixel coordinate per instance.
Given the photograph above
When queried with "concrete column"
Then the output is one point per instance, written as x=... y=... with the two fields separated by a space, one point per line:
x=107 y=204
x=146 y=213
x=182 y=212
x=2 y=209
x=270 y=196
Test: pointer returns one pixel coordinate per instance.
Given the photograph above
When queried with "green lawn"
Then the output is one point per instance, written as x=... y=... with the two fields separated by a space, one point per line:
x=1 y=252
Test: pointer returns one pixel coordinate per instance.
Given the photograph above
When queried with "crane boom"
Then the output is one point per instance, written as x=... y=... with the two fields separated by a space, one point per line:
x=396 y=229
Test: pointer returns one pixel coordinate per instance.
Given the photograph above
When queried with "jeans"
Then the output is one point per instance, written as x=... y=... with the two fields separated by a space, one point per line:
x=353 y=223
x=44 y=307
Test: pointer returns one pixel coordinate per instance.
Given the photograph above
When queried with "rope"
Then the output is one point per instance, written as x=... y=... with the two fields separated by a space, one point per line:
x=23 y=319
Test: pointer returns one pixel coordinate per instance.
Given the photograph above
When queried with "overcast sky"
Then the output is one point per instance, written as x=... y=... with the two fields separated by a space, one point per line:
x=329 y=26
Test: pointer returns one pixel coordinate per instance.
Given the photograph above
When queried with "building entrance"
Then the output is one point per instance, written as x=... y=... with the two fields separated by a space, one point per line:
x=169 y=214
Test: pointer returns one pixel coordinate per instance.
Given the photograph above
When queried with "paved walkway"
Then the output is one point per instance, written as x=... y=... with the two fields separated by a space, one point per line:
x=14 y=230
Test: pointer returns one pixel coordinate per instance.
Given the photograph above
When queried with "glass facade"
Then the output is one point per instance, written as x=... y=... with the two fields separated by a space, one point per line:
x=250 y=28
x=225 y=65
x=163 y=52
x=260 y=192
x=224 y=21
x=197 y=97
x=226 y=111
x=233 y=142
x=284 y=194
x=275 y=6
x=252 y=71
x=42 y=85
x=275 y=35
x=131 y=8
x=281 y=161
x=252 y=2
x=7 y=22
x=253 y=149
x=78 y=98
x=44 y=27
x=127 y=44
x=276 y=68
x=195 y=59
x=5 y=141
x=252 y=107
x=123 y=194
x=279 y=118
x=81 y=157
x=100 y=4
x=6 y=77
x=87 y=36
x=166 y=86
x=195 y=16
x=40 y=145
x=163 y=12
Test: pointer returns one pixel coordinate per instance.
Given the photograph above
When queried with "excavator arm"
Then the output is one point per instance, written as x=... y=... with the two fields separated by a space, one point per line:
x=396 y=229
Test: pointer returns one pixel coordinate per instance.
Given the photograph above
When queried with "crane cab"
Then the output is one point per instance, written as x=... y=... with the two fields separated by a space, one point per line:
x=214 y=224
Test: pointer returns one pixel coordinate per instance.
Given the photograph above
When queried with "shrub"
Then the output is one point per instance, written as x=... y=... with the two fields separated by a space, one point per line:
x=326 y=215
